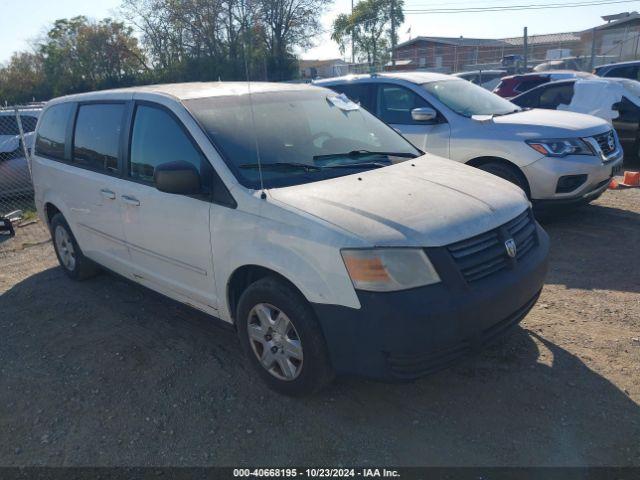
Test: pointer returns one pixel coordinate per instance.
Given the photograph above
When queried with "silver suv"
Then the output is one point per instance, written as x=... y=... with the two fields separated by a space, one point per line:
x=555 y=157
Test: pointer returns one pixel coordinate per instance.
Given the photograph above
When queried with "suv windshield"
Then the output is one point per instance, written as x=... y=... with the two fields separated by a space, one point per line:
x=300 y=136
x=468 y=99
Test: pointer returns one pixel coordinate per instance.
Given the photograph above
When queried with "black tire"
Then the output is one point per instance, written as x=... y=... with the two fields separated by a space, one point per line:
x=82 y=267
x=508 y=173
x=315 y=371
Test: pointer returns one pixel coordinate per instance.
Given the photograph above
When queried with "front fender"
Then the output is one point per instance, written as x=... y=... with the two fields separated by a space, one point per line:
x=311 y=262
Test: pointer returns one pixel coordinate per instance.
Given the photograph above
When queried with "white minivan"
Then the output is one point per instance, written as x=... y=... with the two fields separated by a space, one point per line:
x=329 y=241
x=557 y=158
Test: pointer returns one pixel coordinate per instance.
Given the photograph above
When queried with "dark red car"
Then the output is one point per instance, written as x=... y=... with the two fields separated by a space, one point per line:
x=514 y=85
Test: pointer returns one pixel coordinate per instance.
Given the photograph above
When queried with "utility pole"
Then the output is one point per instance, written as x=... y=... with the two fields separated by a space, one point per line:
x=393 y=33
x=353 y=52
x=526 y=49
x=592 y=62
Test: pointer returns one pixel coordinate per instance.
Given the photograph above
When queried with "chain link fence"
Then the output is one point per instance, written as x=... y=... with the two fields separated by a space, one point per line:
x=17 y=124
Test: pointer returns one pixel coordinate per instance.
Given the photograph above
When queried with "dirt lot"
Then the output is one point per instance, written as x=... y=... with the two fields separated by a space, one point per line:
x=107 y=373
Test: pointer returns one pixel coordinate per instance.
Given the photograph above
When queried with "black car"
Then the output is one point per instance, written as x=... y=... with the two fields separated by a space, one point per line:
x=627 y=123
x=630 y=70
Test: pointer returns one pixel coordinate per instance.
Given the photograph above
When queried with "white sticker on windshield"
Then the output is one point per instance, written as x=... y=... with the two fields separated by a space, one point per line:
x=343 y=103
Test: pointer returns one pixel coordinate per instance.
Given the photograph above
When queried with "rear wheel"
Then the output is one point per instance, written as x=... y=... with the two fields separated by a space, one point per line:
x=282 y=339
x=506 y=172
x=71 y=258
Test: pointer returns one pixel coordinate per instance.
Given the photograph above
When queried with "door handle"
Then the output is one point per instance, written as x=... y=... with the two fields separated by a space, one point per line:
x=130 y=200
x=108 y=194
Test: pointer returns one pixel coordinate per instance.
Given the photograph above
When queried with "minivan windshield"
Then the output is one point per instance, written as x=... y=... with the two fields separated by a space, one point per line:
x=300 y=136
x=467 y=99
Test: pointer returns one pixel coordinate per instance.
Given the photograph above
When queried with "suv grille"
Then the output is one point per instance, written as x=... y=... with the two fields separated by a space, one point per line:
x=486 y=254
x=607 y=142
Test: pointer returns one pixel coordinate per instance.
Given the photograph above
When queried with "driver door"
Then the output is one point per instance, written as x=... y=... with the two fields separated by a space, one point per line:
x=393 y=106
x=168 y=235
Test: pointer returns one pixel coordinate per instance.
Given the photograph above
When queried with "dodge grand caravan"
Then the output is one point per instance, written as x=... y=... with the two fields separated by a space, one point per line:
x=557 y=158
x=329 y=241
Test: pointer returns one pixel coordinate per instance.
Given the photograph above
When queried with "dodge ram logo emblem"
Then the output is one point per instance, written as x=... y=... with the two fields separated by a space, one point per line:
x=510 y=246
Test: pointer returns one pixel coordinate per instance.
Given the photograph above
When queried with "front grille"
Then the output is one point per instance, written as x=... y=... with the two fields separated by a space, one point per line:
x=486 y=254
x=607 y=142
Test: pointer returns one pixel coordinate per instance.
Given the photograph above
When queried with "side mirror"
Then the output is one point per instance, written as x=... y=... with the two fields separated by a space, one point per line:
x=424 y=114
x=177 y=177
x=617 y=107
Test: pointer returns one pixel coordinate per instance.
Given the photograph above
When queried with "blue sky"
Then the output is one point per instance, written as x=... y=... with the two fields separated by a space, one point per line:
x=22 y=21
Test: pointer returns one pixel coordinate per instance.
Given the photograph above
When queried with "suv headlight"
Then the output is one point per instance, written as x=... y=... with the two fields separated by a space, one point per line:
x=561 y=147
x=389 y=269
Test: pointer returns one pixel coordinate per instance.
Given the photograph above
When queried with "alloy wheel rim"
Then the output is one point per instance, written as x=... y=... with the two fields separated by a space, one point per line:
x=275 y=341
x=65 y=248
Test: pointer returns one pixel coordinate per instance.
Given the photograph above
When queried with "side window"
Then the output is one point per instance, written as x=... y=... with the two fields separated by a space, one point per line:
x=530 y=99
x=357 y=92
x=96 y=138
x=395 y=104
x=8 y=125
x=156 y=139
x=52 y=133
x=28 y=123
x=527 y=84
x=556 y=95
x=629 y=71
x=628 y=112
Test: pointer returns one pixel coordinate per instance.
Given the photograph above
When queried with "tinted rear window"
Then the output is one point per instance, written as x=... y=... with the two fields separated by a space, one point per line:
x=52 y=132
x=528 y=84
x=96 y=139
x=9 y=125
x=28 y=123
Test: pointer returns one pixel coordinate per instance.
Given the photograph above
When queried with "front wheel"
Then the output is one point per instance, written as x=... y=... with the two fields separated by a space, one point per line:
x=508 y=173
x=279 y=334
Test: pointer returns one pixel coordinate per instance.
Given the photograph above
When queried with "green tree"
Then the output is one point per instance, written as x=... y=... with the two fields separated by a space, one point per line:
x=22 y=79
x=372 y=25
x=80 y=55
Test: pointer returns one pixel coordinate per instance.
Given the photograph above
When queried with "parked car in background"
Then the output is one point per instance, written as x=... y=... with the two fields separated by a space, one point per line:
x=513 y=85
x=630 y=70
x=566 y=63
x=488 y=79
x=555 y=157
x=15 y=178
x=337 y=245
x=616 y=100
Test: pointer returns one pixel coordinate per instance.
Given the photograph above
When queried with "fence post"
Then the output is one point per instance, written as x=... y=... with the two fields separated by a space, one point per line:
x=592 y=62
x=25 y=150
x=525 y=45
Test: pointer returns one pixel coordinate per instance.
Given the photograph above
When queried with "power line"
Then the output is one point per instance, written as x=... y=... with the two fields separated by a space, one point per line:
x=550 y=6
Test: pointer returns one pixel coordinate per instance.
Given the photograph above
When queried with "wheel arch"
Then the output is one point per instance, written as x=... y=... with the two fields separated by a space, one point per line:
x=244 y=276
x=479 y=161
x=50 y=209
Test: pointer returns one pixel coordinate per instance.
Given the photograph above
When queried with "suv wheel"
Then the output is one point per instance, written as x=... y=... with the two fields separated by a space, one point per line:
x=282 y=339
x=71 y=258
x=506 y=172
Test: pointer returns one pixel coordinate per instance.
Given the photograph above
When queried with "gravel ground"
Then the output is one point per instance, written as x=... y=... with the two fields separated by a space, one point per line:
x=107 y=373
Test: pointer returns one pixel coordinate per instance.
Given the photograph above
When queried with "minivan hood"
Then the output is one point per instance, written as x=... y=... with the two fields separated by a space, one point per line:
x=552 y=123
x=427 y=201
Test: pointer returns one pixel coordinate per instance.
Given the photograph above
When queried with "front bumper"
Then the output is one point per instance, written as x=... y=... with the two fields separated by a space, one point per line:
x=407 y=334
x=543 y=176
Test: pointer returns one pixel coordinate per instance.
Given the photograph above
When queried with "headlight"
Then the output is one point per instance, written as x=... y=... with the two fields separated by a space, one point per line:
x=561 y=147
x=389 y=269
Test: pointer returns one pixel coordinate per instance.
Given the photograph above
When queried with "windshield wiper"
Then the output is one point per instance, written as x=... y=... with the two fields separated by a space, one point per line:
x=359 y=165
x=284 y=166
x=366 y=153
